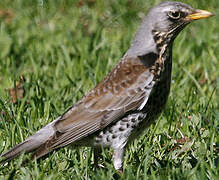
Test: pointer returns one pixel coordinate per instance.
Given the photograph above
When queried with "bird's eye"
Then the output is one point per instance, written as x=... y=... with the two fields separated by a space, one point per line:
x=174 y=14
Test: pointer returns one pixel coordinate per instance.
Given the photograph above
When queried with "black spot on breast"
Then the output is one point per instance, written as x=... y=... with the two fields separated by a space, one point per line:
x=114 y=136
x=133 y=120
x=107 y=139
x=110 y=130
x=133 y=126
x=148 y=59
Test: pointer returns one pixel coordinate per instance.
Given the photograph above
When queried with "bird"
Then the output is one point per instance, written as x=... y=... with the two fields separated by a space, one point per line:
x=127 y=100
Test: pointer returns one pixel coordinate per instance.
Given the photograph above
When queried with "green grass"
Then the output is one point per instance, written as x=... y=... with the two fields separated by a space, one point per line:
x=64 y=48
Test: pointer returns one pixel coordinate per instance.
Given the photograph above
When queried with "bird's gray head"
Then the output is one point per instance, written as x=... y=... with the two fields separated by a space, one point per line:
x=169 y=18
x=162 y=24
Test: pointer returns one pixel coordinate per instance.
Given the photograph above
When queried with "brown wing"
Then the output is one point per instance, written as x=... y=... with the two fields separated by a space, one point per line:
x=124 y=89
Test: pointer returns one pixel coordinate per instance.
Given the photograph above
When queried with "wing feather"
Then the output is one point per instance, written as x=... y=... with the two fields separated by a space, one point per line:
x=123 y=90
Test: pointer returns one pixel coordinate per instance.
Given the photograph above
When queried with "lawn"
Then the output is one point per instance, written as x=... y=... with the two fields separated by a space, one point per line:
x=53 y=51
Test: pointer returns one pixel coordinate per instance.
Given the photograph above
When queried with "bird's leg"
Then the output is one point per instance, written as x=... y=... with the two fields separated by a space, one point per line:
x=96 y=156
x=118 y=159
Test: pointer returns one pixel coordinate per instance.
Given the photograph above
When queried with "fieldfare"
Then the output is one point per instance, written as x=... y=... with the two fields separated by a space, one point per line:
x=128 y=99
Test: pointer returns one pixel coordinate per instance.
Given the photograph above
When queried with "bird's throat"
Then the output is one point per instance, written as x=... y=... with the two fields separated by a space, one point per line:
x=164 y=46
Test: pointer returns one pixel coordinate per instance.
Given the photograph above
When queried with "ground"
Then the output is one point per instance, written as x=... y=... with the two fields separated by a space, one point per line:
x=53 y=52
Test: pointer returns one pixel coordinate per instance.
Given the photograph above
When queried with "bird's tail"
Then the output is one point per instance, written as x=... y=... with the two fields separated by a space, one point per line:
x=33 y=143
x=26 y=146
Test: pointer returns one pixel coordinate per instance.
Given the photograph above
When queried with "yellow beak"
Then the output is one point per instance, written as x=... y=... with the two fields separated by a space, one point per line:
x=199 y=14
